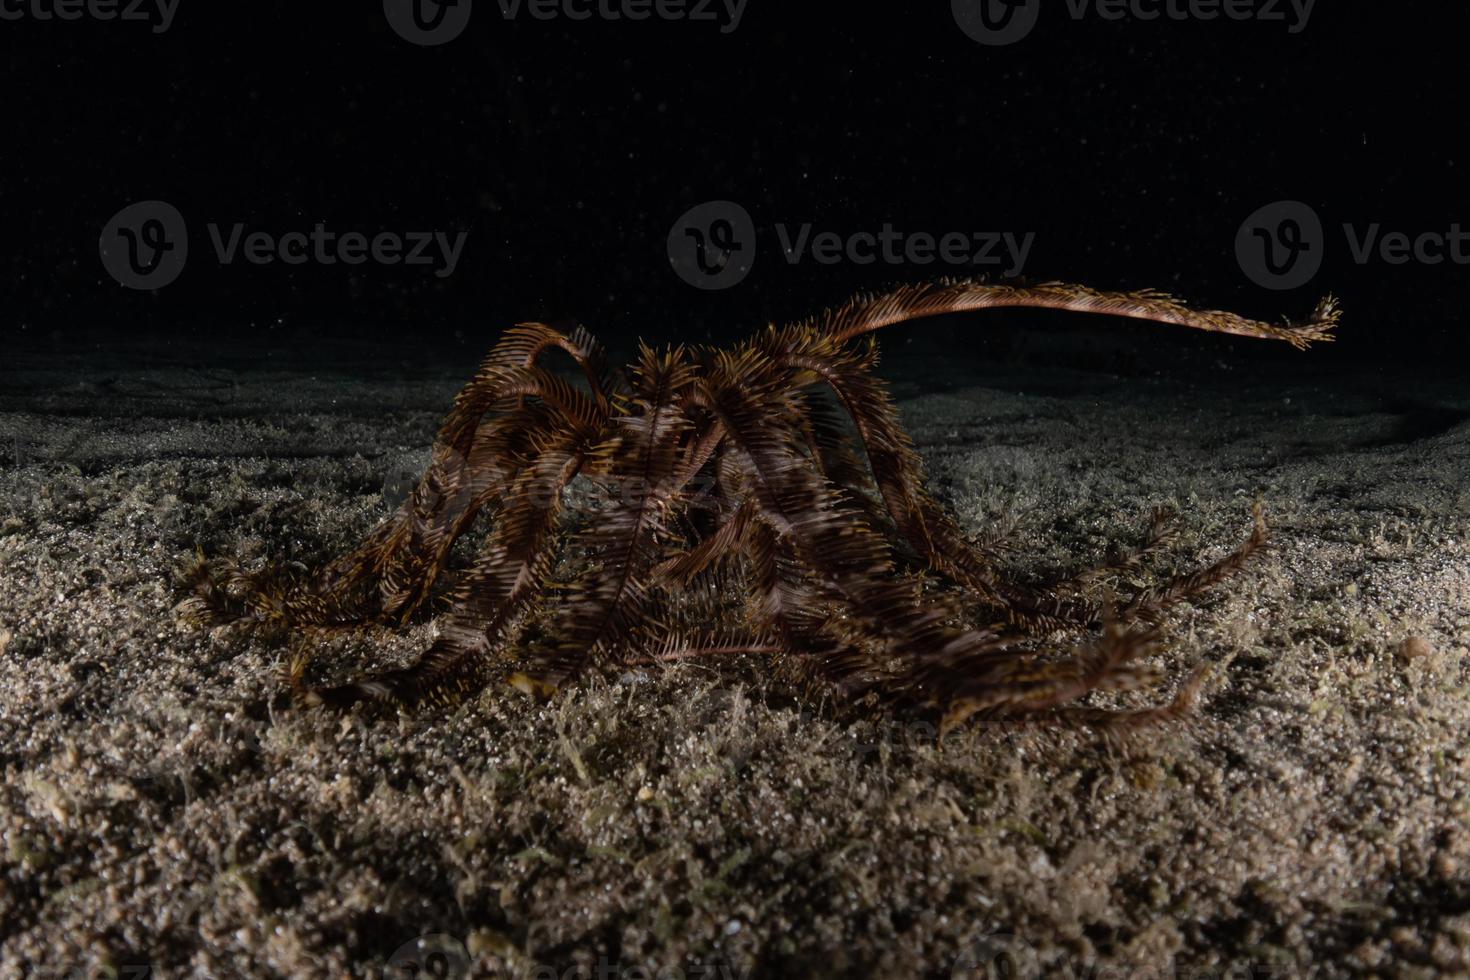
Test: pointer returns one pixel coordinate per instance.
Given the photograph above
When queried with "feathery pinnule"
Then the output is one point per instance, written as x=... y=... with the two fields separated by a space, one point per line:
x=763 y=502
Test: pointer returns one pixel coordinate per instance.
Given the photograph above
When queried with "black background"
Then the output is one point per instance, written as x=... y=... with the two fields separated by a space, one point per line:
x=566 y=150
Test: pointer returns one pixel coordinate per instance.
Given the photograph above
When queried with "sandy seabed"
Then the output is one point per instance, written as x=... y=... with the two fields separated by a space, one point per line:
x=162 y=806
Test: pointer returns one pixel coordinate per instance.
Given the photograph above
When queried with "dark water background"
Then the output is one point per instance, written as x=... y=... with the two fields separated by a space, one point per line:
x=565 y=150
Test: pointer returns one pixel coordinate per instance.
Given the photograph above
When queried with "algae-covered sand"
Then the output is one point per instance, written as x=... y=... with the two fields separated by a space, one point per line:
x=163 y=806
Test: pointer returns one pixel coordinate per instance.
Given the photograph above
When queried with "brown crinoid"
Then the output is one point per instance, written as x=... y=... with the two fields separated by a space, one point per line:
x=761 y=501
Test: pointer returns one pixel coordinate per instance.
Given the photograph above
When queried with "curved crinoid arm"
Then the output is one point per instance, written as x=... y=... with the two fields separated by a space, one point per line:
x=831 y=554
x=729 y=538
x=486 y=439
x=899 y=474
x=815 y=357
x=839 y=457
x=822 y=581
x=817 y=351
x=828 y=588
x=219 y=591
x=645 y=459
x=502 y=376
x=785 y=597
x=499 y=422
x=1112 y=723
x=786 y=609
x=1151 y=604
x=1033 y=685
x=523 y=345
x=1057 y=606
x=788 y=601
x=1162 y=530
x=515 y=437
x=505 y=582
x=868 y=313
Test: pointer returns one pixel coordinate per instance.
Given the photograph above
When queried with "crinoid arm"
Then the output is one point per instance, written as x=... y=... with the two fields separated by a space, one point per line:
x=865 y=314
x=764 y=503
x=643 y=459
x=825 y=350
